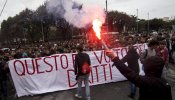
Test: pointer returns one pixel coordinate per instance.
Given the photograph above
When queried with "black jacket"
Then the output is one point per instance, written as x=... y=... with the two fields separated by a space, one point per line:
x=150 y=87
x=3 y=71
x=132 y=59
x=80 y=59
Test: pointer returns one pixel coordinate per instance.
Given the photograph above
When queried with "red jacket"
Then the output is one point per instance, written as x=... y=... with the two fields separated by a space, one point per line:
x=164 y=54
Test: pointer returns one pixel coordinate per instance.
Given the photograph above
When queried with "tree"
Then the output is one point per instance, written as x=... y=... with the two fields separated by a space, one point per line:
x=118 y=20
x=156 y=24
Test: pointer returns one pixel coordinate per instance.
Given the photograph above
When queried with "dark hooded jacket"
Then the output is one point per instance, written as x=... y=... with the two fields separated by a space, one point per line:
x=80 y=59
x=151 y=86
x=132 y=59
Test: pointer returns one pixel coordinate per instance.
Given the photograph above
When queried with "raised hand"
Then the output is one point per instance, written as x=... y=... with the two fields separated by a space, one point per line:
x=110 y=54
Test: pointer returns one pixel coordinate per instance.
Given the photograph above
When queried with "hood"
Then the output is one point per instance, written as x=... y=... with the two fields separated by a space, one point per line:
x=133 y=53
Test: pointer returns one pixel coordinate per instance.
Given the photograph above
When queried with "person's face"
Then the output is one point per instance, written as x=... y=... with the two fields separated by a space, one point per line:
x=10 y=58
x=142 y=39
x=130 y=40
x=7 y=54
x=162 y=46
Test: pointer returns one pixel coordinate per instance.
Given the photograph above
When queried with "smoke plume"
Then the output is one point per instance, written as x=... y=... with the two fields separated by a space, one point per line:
x=76 y=14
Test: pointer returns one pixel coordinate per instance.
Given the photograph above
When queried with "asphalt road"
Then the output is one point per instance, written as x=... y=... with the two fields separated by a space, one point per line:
x=110 y=91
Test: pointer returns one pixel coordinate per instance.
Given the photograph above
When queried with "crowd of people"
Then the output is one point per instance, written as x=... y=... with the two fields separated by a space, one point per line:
x=162 y=45
x=41 y=49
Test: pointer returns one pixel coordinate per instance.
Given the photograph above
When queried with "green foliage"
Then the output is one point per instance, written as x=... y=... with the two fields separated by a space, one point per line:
x=38 y=24
x=118 y=20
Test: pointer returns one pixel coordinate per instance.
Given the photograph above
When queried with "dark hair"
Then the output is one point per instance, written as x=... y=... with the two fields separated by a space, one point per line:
x=80 y=47
x=153 y=66
x=162 y=42
x=153 y=43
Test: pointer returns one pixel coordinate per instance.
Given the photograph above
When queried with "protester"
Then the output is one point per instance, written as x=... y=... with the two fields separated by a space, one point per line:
x=132 y=60
x=80 y=59
x=130 y=40
x=169 y=44
x=24 y=53
x=163 y=52
x=3 y=79
x=151 y=51
x=151 y=86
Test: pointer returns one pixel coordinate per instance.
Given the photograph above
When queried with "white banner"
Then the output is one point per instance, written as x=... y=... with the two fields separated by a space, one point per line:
x=56 y=72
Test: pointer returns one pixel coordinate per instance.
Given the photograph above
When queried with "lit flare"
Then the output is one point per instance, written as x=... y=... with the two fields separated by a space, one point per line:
x=97 y=27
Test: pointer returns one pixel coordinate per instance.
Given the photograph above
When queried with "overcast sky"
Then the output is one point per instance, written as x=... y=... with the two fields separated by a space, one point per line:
x=155 y=8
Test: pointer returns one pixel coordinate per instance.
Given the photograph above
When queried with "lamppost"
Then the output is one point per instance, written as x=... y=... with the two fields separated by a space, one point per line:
x=148 y=22
x=137 y=21
x=106 y=16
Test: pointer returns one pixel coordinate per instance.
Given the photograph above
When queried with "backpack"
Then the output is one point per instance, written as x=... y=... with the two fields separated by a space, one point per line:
x=86 y=69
